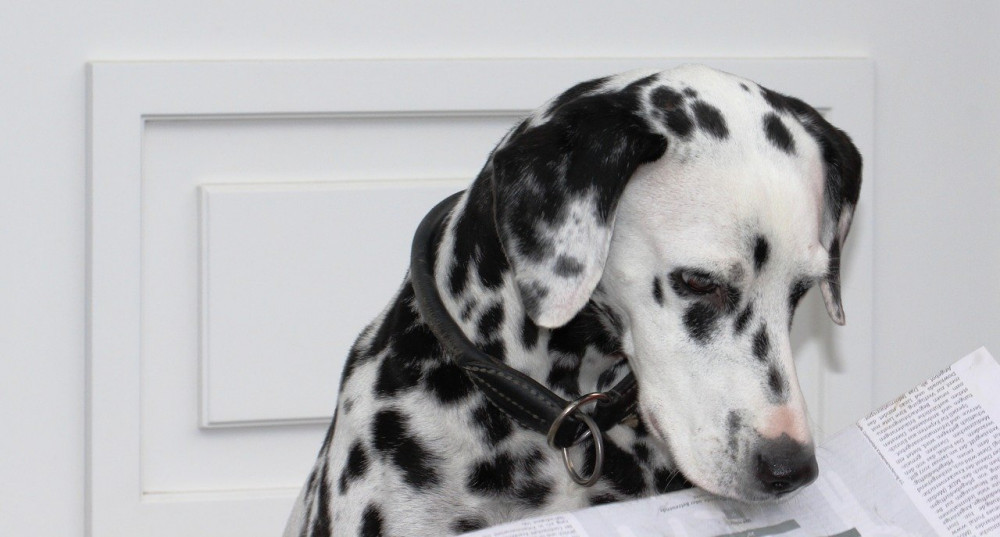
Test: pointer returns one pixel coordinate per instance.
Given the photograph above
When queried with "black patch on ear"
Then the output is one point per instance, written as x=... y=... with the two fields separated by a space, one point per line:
x=532 y=295
x=477 y=243
x=393 y=440
x=761 y=251
x=761 y=344
x=778 y=133
x=699 y=320
x=657 y=291
x=371 y=522
x=494 y=476
x=449 y=383
x=710 y=120
x=355 y=468
x=467 y=524
x=494 y=424
x=743 y=319
x=591 y=144
x=577 y=91
x=567 y=266
x=529 y=333
x=667 y=480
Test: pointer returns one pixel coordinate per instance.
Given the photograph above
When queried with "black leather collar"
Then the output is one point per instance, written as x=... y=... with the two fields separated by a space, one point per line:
x=526 y=401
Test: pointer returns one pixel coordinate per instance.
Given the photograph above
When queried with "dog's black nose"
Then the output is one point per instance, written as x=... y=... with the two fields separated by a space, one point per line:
x=784 y=465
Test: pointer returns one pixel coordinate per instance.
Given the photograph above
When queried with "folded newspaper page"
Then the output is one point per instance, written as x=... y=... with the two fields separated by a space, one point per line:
x=925 y=464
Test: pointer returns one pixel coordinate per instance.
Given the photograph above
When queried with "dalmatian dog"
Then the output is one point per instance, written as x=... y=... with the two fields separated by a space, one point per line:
x=662 y=225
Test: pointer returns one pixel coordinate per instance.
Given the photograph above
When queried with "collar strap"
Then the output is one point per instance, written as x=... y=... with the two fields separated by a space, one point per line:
x=523 y=399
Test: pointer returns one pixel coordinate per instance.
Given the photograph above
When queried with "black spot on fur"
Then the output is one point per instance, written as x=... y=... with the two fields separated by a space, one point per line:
x=657 y=291
x=776 y=382
x=529 y=333
x=494 y=476
x=476 y=240
x=799 y=290
x=609 y=375
x=355 y=468
x=321 y=524
x=567 y=266
x=491 y=321
x=641 y=451
x=669 y=481
x=602 y=499
x=449 y=383
x=710 y=120
x=467 y=524
x=761 y=344
x=743 y=319
x=393 y=440
x=745 y=87
x=583 y=330
x=565 y=376
x=495 y=349
x=396 y=375
x=355 y=358
x=666 y=99
x=777 y=101
x=534 y=493
x=699 y=320
x=733 y=424
x=680 y=122
x=778 y=134
x=621 y=468
x=371 y=522
x=690 y=92
x=761 y=251
x=495 y=425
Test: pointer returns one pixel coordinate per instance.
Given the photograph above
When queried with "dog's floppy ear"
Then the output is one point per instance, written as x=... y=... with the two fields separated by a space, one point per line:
x=557 y=179
x=842 y=185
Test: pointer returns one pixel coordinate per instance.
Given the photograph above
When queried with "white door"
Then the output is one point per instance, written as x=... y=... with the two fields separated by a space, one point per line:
x=249 y=218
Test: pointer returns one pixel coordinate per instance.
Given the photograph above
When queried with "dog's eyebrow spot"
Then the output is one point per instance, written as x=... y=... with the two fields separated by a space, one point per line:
x=657 y=290
x=761 y=344
x=761 y=251
x=743 y=319
x=710 y=119
x=699 y=320
x=567 y=266
x=778 y=133
x=371 y=522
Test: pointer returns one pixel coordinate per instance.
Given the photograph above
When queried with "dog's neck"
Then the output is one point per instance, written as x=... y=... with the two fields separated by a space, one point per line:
x=476 y=284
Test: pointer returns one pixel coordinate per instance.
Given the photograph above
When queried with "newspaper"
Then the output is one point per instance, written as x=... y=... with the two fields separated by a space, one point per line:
x=925 y=464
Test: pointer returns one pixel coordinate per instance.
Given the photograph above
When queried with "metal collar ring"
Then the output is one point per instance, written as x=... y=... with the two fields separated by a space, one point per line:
x=593 y=431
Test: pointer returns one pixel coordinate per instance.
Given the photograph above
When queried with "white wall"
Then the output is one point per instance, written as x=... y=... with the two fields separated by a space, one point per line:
x=937 y=163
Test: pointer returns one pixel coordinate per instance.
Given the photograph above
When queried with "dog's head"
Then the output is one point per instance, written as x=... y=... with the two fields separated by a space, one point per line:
x=700 y=207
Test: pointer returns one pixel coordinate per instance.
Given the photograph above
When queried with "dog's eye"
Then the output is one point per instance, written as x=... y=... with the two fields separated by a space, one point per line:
x=699 y=284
